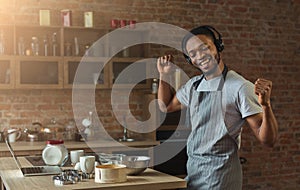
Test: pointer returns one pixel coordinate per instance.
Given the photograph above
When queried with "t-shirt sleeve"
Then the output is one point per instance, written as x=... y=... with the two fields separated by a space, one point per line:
x=248 y=100
x=183 y=93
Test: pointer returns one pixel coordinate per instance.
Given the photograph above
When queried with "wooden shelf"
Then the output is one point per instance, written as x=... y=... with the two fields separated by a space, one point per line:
x=66 y=60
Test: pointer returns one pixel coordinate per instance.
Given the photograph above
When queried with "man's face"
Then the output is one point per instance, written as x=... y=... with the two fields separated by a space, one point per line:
x=203 y=53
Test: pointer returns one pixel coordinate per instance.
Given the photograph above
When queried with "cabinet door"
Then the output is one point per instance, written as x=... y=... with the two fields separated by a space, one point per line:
x=85 y=73
x=124 y=74
x=39 y=72
x=6 y=72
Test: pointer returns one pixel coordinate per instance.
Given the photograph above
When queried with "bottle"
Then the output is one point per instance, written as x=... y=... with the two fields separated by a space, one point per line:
x=21 y=46
x=76 y=46
x=177 y=79
x=154 y=86
x=46 y=46
x=54 y=44
x=2 y=43
x=68 y=49
x=55 y=153
x=35 y=45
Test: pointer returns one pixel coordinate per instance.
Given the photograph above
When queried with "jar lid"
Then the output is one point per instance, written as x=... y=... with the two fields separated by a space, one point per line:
x=55 y=142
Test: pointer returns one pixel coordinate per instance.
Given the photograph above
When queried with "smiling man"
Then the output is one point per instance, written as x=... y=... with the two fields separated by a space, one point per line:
x=218 y=102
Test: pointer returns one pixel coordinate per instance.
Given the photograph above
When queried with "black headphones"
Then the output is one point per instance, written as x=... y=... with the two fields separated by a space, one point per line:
x=206 y=30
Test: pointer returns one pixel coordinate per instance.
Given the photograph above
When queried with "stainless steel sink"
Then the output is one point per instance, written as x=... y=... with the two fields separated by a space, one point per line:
x=126 y=139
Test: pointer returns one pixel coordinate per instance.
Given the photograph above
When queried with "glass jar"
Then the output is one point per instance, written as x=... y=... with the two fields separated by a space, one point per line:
x=21 y=46
x=154 y=86
x=70 y=131
x=54 y=44
x=55 y=153
x=68 y=49
x=35 y=46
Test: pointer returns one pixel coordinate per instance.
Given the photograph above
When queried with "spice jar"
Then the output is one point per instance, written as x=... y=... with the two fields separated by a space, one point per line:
x=154 y=86
x=55 y=153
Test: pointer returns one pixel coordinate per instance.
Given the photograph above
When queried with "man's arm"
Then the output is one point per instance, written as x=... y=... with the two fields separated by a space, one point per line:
x=264 y=125
x=168 y=101
x=166 y=94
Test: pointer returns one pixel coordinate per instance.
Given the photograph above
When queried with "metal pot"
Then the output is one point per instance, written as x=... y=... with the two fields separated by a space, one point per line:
x=53 y=130
x=34 y=135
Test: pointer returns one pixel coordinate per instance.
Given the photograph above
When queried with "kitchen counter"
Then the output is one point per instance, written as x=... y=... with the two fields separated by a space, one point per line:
x=12 y=178
x=23 y=148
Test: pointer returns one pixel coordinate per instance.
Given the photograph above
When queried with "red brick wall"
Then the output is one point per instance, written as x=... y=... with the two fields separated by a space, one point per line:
x=261 y=40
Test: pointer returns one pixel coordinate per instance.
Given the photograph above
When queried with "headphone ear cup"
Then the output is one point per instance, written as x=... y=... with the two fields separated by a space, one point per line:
x=219 y=45
x=187 y=58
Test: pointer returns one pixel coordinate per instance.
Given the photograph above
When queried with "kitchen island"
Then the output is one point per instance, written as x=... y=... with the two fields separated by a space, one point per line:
x=24 y=148
x=12 y=178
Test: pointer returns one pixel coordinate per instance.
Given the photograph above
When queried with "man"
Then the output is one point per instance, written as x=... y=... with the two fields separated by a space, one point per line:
x=218 y=104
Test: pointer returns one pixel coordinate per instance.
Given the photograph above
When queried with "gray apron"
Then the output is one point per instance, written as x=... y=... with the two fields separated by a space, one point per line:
x=213 y=162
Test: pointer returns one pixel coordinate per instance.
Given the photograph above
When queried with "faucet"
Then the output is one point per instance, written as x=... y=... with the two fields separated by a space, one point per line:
x=125 y=133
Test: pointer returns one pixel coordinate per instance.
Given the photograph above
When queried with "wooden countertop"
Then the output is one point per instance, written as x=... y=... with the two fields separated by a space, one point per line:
x=39 y=146
x=12 y=178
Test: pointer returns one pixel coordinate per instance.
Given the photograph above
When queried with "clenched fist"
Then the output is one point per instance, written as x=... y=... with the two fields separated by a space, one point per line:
x=263 y=89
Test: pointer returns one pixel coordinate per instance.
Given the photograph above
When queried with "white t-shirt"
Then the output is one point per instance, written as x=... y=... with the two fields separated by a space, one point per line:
x=238 y=99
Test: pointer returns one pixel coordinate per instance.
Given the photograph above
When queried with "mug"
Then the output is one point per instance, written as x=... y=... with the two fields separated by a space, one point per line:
x=75 y=156
x=87 y=164
x=114 y=23
x=13 y=135
x=110 y=173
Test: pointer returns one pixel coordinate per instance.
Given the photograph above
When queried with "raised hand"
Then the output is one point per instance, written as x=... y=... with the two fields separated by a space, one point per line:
x=164 y=64
x=263 y=89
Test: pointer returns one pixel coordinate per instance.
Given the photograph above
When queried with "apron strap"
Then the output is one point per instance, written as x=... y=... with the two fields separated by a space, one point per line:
x=222 y=81
x=224 y=73
x=195 y=86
